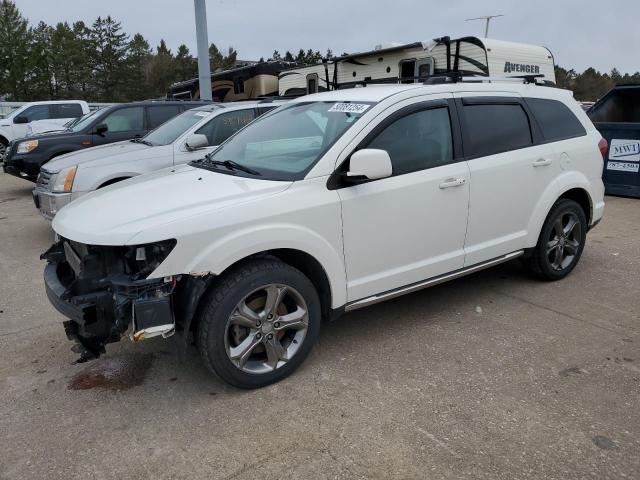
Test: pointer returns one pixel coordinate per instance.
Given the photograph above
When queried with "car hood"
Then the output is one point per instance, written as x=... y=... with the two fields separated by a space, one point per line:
x=115 y=214
x=96 y=153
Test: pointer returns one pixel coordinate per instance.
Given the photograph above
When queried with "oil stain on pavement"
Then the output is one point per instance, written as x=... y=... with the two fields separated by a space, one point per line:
x=113 y=373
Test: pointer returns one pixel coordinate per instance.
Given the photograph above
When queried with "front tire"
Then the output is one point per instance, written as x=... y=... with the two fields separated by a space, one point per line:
x=259 y=323
x=561 y=241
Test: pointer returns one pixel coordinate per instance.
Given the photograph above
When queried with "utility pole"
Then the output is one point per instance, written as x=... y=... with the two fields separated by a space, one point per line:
x=487 y=19
x=204 y=69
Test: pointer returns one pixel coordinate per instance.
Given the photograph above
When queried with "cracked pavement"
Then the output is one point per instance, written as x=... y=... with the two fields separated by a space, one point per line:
x=495 y=375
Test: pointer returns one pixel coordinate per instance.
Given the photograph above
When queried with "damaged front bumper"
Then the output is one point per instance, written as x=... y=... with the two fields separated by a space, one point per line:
x=98 y=289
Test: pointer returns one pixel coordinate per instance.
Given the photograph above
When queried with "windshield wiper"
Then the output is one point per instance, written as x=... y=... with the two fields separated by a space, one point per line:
x=231 y=165
x=142 y=141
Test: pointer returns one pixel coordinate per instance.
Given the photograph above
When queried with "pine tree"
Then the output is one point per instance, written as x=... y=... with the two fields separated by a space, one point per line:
x=138 y=69
x=111 y=50
x=186 y=65
x=40 y=73
x=162 y=71
x=14 y=51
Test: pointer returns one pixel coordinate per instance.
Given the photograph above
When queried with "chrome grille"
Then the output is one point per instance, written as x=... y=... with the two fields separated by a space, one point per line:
x=44 y=178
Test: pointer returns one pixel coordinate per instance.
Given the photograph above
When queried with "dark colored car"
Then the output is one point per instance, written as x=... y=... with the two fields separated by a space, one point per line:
x=119 y=122
x=617 y=118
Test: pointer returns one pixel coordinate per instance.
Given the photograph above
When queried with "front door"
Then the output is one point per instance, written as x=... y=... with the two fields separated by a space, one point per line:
x=410 y=226
x=123 y=124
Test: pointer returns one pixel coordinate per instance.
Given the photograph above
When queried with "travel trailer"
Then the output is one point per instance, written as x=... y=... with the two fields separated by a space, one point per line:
x=241 y=83
x=416 y=62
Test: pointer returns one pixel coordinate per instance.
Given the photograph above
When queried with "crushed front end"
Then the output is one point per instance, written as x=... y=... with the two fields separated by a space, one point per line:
x=105 y=292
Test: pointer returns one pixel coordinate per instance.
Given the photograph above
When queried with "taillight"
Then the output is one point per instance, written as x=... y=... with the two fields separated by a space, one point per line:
x=604 y=148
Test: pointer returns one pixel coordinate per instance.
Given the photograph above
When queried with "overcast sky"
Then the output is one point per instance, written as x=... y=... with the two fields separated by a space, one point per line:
x=580 y=33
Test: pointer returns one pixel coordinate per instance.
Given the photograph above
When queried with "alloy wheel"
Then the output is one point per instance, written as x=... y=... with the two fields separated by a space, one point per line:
x=266 y=328
x=564 y=241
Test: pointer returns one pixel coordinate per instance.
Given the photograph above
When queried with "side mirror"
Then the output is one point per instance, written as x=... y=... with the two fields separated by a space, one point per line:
x=101 y=128
x=21 y=119
x=368 y=164
x=196 y=142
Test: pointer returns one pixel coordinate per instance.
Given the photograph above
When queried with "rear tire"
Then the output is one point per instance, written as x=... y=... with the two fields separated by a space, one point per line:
x=259 y=323
x=561 y=241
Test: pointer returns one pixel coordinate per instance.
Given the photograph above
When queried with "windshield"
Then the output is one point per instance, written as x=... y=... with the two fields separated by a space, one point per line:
x=169 y=131
x=286 y=144
x=84 y=121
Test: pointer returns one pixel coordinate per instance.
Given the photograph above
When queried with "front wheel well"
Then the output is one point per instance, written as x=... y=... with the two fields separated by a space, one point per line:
x=298 y=259
x=112 y=181
x=4 y=141
x=582 y=198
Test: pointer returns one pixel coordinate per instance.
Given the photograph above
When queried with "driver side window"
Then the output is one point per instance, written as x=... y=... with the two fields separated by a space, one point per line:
x=125 y=120
x=417 y=141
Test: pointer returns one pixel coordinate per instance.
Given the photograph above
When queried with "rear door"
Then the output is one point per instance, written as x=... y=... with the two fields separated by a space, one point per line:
x=63 y=112
x=510 y=168
x=158 y=114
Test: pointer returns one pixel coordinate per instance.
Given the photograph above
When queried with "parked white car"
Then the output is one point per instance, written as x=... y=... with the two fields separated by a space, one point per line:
x=47 y=126
x=186 y=137
x=330 y=203
x=58 y=112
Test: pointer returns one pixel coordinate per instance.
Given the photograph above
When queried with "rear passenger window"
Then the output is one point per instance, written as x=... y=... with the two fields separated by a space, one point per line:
x=417 y=141
x=157 y=115
x=555 y=119
x=67 y=110
x=496 y=128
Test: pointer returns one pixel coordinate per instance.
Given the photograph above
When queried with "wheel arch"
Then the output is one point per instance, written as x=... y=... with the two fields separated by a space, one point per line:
x=111 y=181
x=574 y=186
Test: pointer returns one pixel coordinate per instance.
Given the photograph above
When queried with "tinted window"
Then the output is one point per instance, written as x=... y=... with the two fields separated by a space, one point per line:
x=36 y=112
x=496 y=128
x=125 y=119
x=621 y=105
x=555 y=119
x=225 y=125
x=417 y=141
x=67 y=110
x=161 y=113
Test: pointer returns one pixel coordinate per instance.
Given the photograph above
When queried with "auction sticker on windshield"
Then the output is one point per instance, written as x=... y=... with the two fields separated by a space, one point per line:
x=349 y=107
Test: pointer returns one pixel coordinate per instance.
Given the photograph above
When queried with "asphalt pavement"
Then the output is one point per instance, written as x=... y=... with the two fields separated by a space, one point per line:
x=496 y=375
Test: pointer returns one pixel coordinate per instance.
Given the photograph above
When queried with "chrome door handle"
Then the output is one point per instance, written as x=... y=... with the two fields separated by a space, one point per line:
x=453 y=182
x=542 y=162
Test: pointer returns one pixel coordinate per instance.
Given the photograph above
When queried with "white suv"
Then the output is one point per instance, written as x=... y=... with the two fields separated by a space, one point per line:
x=329 y=203
x=183 y=138
x=59 y=112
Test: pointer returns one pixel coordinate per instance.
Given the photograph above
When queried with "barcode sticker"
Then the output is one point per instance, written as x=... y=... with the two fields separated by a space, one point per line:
x=349 y=107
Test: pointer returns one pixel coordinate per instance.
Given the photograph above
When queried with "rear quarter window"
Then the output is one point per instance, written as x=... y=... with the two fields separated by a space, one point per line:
x=495 y=128
x=555 y=119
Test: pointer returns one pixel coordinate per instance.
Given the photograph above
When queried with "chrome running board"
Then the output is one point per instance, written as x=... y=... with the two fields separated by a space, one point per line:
x=381 y=297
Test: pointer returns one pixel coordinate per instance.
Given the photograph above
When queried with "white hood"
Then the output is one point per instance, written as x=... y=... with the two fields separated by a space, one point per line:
x=115 y=214
x=96 y=153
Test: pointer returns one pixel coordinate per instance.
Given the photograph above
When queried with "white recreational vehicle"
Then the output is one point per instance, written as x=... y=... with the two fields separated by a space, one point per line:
x=416 y=62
